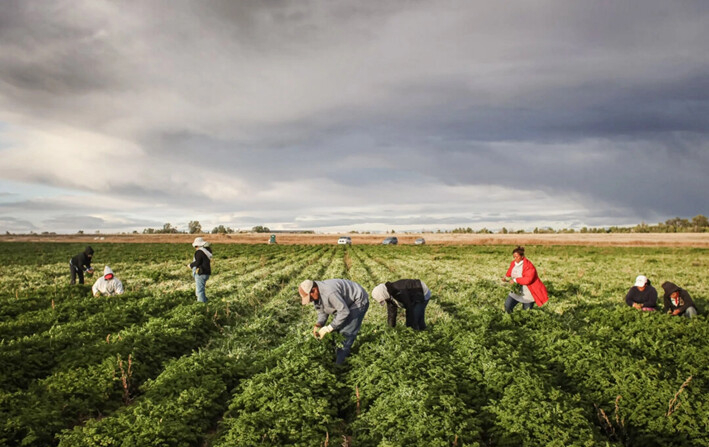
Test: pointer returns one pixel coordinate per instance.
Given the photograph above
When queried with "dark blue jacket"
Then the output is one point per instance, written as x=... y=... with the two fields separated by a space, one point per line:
x=647 y=297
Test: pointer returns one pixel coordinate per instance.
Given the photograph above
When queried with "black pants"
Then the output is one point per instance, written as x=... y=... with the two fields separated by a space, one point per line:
x=414 y=315
x=75 y=271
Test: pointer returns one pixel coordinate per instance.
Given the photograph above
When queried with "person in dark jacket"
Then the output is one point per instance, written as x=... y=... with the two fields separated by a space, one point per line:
x=678 y=301
x=410 y=294
x=201 y=267
x=642 y=295
x=81 y=263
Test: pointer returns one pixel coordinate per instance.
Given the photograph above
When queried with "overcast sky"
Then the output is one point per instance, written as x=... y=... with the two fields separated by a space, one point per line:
x=352 y=115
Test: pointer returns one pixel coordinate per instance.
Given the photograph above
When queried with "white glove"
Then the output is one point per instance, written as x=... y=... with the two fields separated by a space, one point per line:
x=324 y=330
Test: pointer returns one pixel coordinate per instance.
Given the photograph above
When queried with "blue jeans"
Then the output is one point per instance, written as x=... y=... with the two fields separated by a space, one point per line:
x=510 y=304
x=200 y=281
x=415 y=316
x=350 y=331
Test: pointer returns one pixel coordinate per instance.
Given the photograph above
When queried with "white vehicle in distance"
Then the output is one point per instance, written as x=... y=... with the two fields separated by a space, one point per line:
x=344 y=240
x=420 y=241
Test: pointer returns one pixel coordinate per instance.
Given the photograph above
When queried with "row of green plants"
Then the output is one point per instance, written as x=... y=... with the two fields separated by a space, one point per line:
x=180 y=405
x=582 y=370
x=98 y=351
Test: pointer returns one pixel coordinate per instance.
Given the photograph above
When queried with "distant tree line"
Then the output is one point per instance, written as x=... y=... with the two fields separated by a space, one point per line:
x=194 y=227
x=697 y=224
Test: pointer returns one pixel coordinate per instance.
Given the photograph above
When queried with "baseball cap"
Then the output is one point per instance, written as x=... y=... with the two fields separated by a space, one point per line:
x=640 y=281
x=380 y=293
x=304 y=290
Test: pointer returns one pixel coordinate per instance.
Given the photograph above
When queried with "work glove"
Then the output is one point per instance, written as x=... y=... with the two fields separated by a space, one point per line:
x=324 y=330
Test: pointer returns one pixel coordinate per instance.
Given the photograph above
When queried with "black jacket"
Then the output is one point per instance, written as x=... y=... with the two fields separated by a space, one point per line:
x=404 y=293
x=685 y=301
x=201 y=263
x=647 y=297
x=82 y=261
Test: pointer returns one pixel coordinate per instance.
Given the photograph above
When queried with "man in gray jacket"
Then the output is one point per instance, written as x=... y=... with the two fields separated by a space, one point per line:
x=346 y=299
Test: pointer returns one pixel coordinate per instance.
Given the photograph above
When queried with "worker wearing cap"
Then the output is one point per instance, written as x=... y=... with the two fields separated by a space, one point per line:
x=108 y=284
x=642 y=295
x=201 y=267
x=409 y=294
x=678 y=301
x=346 y=300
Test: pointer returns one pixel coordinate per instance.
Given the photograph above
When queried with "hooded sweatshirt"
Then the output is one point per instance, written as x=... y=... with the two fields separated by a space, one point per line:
x=683 y=301
x=338 y=296
x=82 y=261
x=201 y=263
x=647 y=297
x=105 y=286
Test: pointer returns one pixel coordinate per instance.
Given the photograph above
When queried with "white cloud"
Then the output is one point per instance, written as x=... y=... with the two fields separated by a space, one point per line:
x=337 y=114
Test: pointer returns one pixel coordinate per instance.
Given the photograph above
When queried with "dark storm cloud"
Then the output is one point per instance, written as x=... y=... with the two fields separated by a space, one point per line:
x=602 y=103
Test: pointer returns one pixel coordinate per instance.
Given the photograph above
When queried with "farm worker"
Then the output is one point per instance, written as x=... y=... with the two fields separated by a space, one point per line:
x=678 y=301
x=81 y=263
x=346 y=299
x=522 y=272
x=108 y=284
x=409 y=294
x=201 y=267
x=642 y=295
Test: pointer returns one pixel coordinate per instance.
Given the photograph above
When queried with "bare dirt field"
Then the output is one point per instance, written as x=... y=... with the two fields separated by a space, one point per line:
x=591 y=239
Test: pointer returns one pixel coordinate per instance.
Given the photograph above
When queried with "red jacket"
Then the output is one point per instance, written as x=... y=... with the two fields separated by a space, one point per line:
x=530 y=279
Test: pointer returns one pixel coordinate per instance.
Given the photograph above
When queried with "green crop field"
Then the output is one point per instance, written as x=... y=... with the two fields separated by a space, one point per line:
x=155 y=368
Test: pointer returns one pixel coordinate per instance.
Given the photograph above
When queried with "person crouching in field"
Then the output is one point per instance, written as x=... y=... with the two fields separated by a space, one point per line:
x=81 y=263
x=642 y=295
x=678 y=301
x=201 y=267
x=108 y=284
x=522 y=272
x=409 y=294
x=346 y=299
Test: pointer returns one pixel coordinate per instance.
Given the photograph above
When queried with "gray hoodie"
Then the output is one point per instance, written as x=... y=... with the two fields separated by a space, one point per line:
x=338 y=296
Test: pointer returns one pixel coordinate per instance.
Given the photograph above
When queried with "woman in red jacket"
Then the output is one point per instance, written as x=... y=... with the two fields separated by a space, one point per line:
x=522 y=272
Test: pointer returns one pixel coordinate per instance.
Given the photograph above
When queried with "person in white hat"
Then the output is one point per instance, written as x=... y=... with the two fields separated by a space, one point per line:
x=108 y=284
x=642 y=295
x=201 y=267
x=409 y=294
x=346 y=300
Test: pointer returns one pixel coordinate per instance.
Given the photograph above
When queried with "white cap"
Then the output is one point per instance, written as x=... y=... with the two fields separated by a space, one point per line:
x=198 y=242
x=640 y=281
x=380 y=293
x=304 y=291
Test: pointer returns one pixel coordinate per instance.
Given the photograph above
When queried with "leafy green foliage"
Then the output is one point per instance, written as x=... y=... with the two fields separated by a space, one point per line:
x=245 y=370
